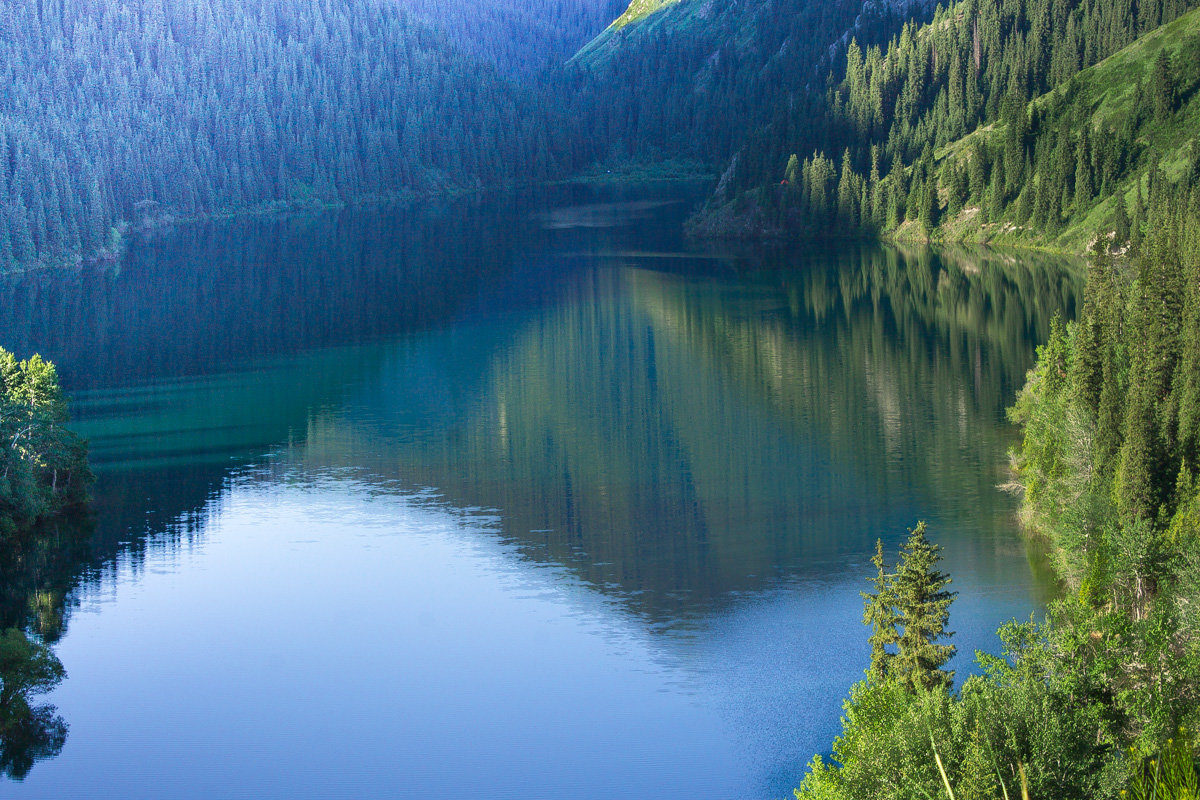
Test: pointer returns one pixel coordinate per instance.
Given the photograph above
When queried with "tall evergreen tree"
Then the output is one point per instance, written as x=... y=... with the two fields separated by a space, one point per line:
x=879 y=613
x=924 y=609
x=791 y=172
x=1087 y=365
x=1163 y=87
x=1121 y=224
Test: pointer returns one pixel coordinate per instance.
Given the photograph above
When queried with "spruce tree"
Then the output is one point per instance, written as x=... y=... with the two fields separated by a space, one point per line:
x=1163 y=87
x=1139 y=219
x=976 y=183
x=1121 y=224
x=879 y=613
x=927 y=208
x=1087 y=365
x=847 y=196
x=1084 y=189
x=1139 y=470
x=924 y=609
x=1187 y=377
x=995 y=203
x=875 y=191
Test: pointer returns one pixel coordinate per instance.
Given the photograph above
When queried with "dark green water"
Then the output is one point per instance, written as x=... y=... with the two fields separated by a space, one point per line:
x=518 y=497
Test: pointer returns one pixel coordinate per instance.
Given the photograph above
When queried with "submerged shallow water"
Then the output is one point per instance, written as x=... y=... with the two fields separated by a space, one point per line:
x=517 y=497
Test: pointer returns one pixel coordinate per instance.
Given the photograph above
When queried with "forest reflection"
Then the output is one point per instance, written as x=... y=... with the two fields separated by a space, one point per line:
x=668 y=434
x=29 y=732
x=679 y=439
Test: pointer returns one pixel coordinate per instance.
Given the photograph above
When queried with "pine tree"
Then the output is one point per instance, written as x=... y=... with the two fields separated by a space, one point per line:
x=1139 y=470
x=1138 y=232
x=1084 y=189
x=1056 y=355
x=956 y=191
x=1163 y=87
x=879 y=613
x=1025 y=206
x=1111 y=412
x=995 y=201
x=1121 y=224
x=791 y=172
x=927 y=208
x=847 y=196
x=1087 y=363
x=873 y=211
x=976 y=184
x=924 y=609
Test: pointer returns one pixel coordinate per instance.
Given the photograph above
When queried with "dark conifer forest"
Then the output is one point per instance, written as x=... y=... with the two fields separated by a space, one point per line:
x=126 y=114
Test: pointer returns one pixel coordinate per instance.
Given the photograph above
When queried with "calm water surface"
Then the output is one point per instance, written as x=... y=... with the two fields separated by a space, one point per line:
x=511 y=498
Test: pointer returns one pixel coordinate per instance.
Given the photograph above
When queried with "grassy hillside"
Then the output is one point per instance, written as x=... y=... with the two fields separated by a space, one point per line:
x=997 y=122
x=1111 y=96
x=643 y=20
x=639 y=9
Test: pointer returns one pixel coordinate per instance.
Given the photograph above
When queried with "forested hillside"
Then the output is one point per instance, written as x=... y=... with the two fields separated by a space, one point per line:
x=128 y=113
x=967 y=127
x=519 y=38
x=125 y=115
x=984 y=124
x=694 y=78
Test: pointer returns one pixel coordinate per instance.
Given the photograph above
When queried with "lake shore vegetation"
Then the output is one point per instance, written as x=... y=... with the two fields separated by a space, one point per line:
x=1096 y=698
x=43 y=465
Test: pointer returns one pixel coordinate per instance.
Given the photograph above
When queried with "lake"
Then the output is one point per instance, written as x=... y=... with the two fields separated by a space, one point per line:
x=508 y=497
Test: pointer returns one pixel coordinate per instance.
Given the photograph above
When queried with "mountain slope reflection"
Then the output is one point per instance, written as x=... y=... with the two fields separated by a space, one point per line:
x=678 y=440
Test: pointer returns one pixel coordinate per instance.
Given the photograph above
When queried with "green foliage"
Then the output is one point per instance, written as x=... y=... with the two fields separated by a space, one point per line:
x=919 y=592
x=1042 y=410
x=27 y=668
x=879 y=613
x=1107 y=476
x=1106 y=471
x=884 y=750
x=1174 y=774
x=1043 y=100
x=1026 y=722
x=908 y=611
x=43 y=466
x=791 y=172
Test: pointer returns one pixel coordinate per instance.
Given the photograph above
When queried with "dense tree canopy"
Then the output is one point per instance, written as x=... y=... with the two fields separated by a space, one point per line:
x=122 y=114
x=43 y=466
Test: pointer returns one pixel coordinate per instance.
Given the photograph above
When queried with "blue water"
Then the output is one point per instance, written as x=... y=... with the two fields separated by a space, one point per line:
x=513 y=498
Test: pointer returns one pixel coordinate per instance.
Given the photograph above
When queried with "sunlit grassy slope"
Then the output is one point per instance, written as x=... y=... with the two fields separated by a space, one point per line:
x=639 y=9
x=644 y=17
x=1107 y=95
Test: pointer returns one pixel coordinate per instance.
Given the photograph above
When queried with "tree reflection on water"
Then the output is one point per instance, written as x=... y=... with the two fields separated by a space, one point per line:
x=28 y=733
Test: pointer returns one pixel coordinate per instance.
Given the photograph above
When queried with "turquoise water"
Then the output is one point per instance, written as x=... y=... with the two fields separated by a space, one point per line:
x=515 y=497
